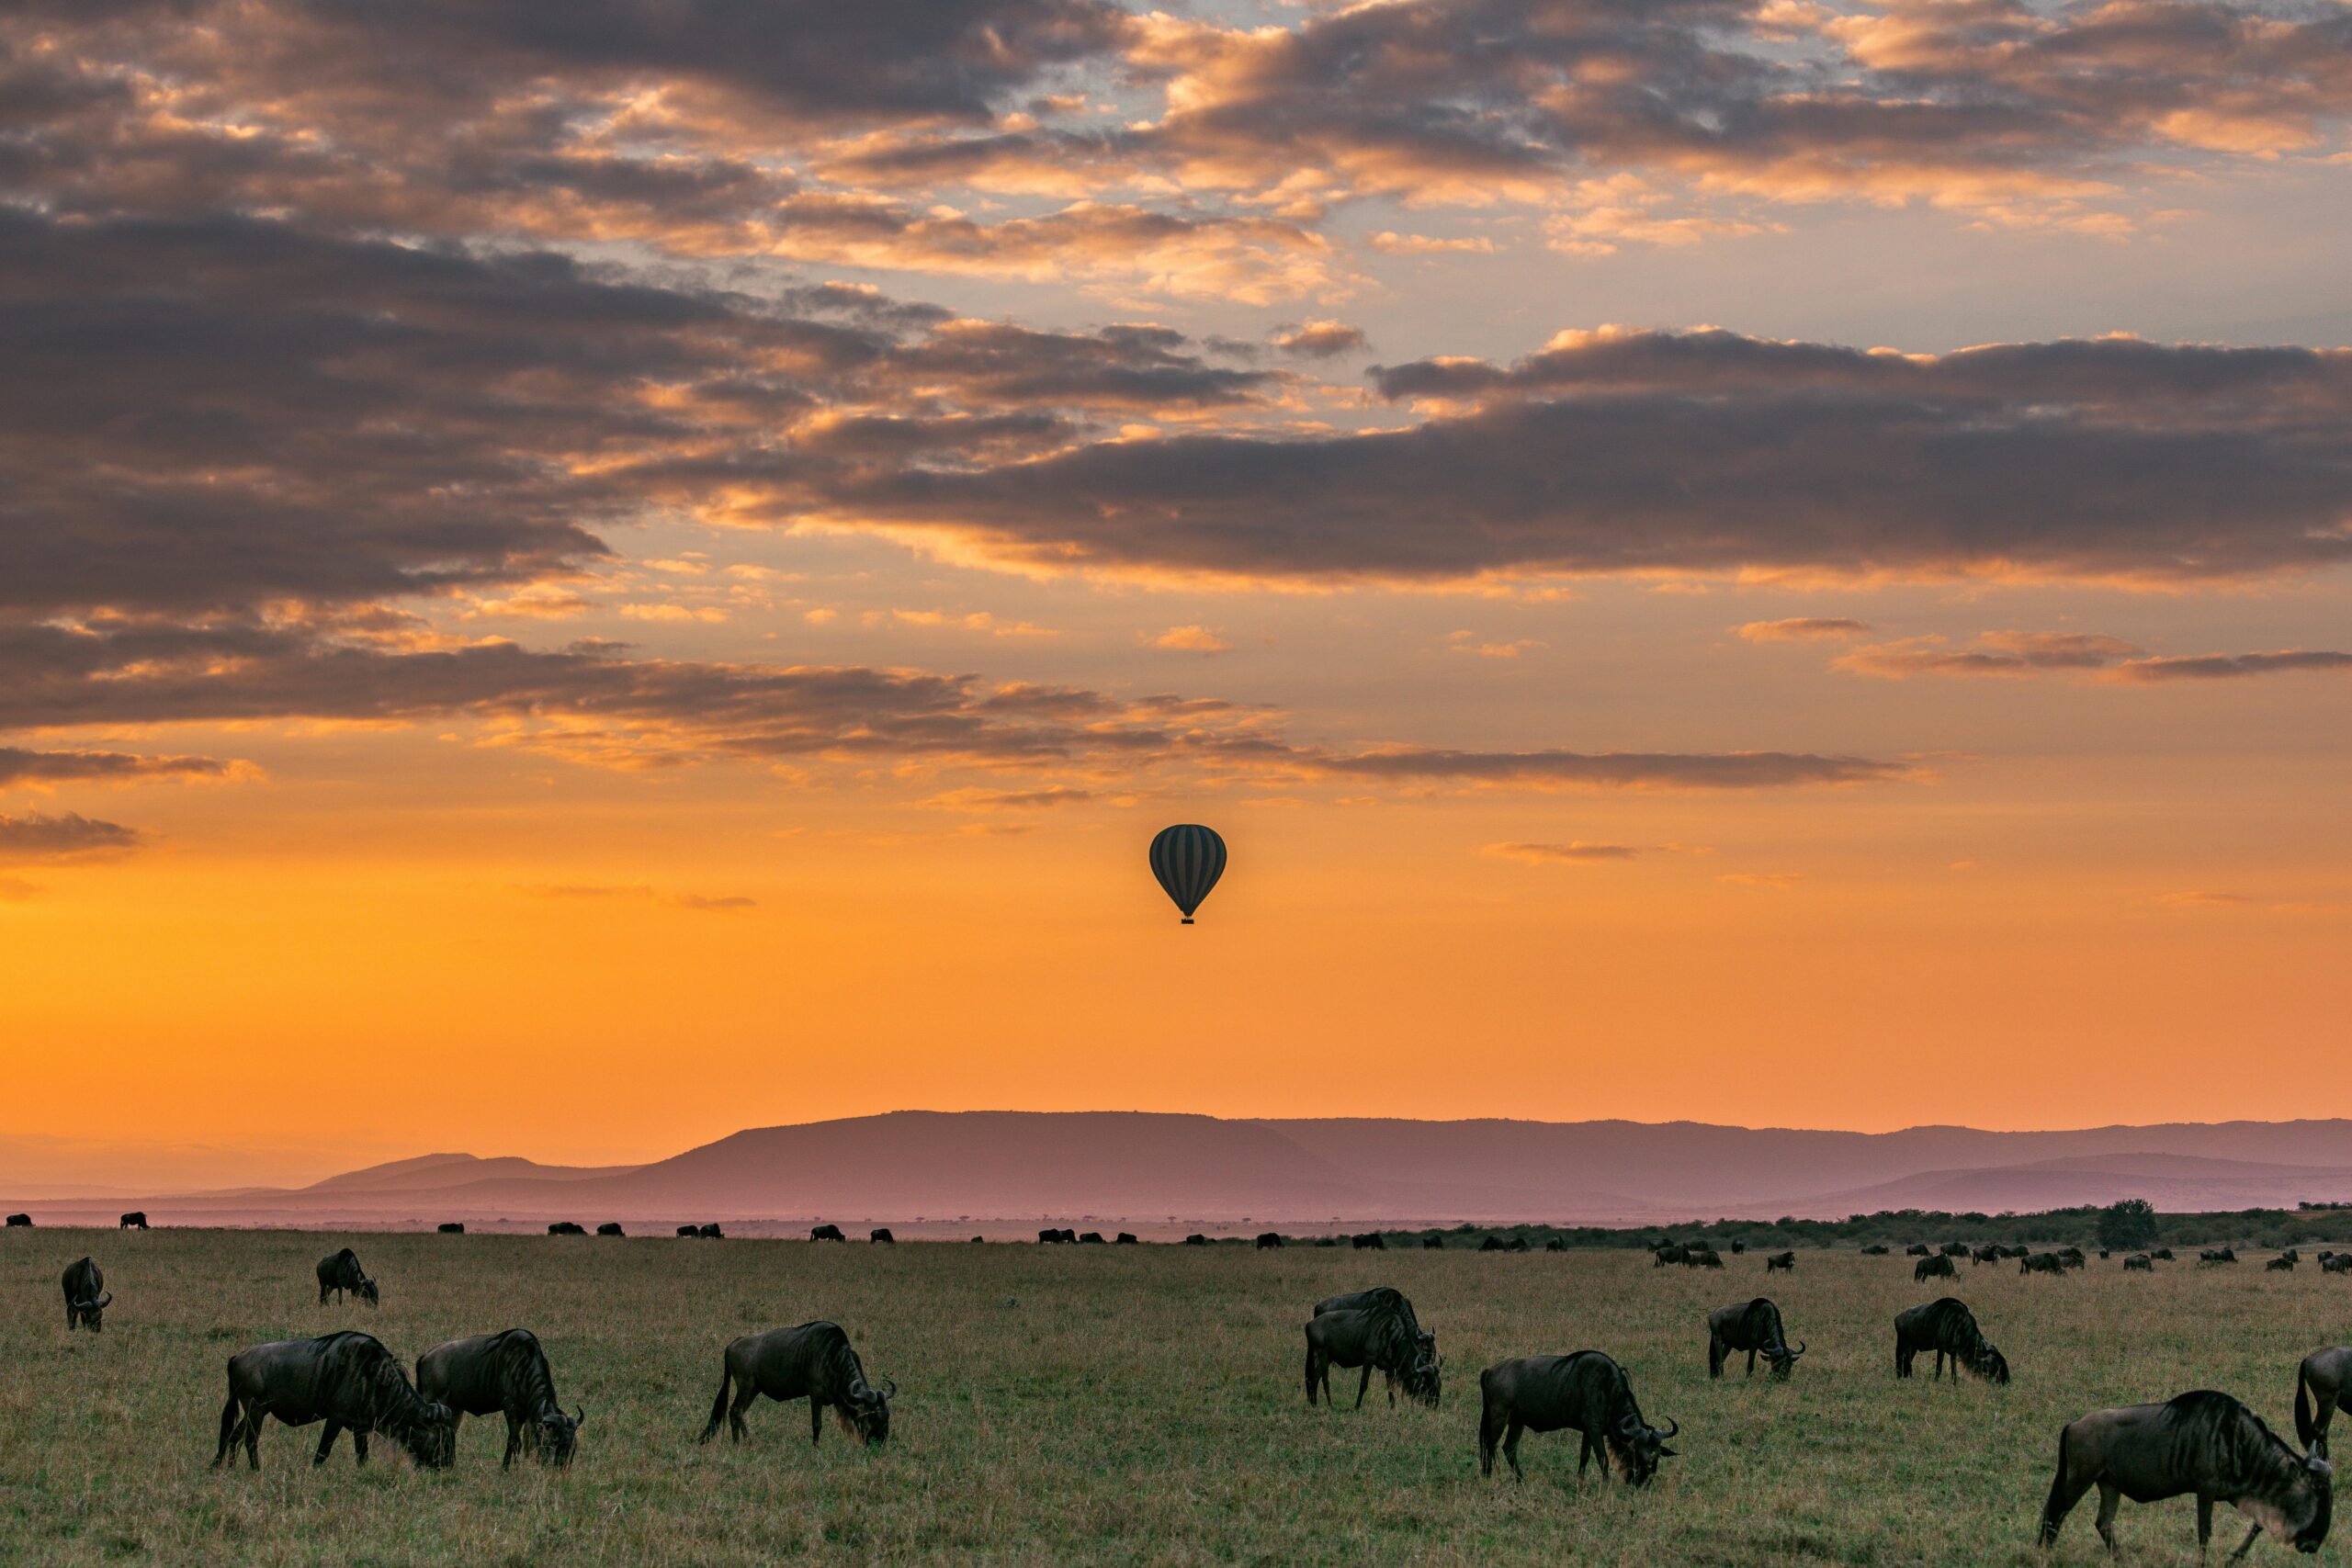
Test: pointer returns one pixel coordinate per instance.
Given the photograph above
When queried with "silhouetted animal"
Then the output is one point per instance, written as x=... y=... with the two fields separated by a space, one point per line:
x=2161 y=1254
x=1091 y=1239
x=1369 y=1241
x=1126 y=1238
x=1876 y=1249
x=1917 y=1249
x=2339 y=1264
x=1432 y=1243
x=1196 y=1239
x=20 y=1222
x=833 y=1233
x=86 y=1296
x=1269 y=1239
x=2139 y=1262
x=1930 y=1267
x=2071 y=1257
x=880 y=1235
x=611 y=1228
x=134 y=1221
x=1955 y=1249
x=1947 y=1328
x=710 y=1231
x=345 y=1380
x=339 y=1271
x=1753 y=1326
x=2042 y=1263
x=1519 y=1244
x=2217 y=1255
x=1737 y=1247
x=566 y=1227
x=1376 y=1330
x=2281 y=1266
x=1986 y=1255
x=1586 y=1392
x=451 y=1227
x=1781 y=1262
x=813 y=1362
x=1673 y=1252
x=2204 y=1443
x=504 y=1372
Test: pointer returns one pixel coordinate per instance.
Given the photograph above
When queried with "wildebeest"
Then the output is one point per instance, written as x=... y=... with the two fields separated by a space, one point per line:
x=1091 y=1239
x=451 y=1227
x=1931 y=1265
x=86 y=1296
x=1519 y=1244
x=566 y=1227
x=1587 y=1391
x=339 y=1271
x=345 y=1380
x=1556 y=1245
x=2292 y=1255
x=1126 y=1238
x=2201 y=1442
x=134 y=1221
x=2217 y=1255
x=611 y=1228
x=1376 y=1330
x=2139 y=1262
x=690 y=1230
x=2018 y=1251
x=1947 y=1328
x=813 y=1362
x=2322 y=1387
x=1672 y=1252
x=710 y=1231
x=1752 y=1326
x=1432 y=1243
x=1955 y=1249
x=20 y=1222
x=2042 y=1263
x=1269 y=1239
x=1875 y=1249
x=880 y=1235
x=1196 y=1239
x=1369 y=1241
x=832 y=1233
x=2339 y=1264
x=2281 y=1266
x=1737 y=1246
x=504 y=1373
x=1987 y=1254
x=1781 y=1262
x=2072 y=1258
x=2161 y=1254
x=1917 y=1249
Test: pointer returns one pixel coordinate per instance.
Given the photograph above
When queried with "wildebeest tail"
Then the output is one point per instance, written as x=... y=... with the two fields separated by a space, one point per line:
x=1310 y=1370
x=2054 y=1509
x=718 y=1405
x=2306 y=1427
x=230 y=1415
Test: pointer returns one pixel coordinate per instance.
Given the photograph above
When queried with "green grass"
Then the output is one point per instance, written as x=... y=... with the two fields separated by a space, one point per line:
x=1137 y=1405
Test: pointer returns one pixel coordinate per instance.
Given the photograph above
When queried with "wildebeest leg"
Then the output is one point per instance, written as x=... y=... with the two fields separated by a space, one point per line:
x=2246 y=1544
x=1751 y=1363
x=359 y=1445
x=326 y=1442
x=1715 y=1353
x=2204 y=1524
x=253 y=1414
x=2110 y=1496
x=514 y=1440
x=2066 y=1489
x=1361 y=1388
x=816 y=1419
x=1510 y=1449
x=1939 y=1365
x=1312 y=1372
x=744 y=1394
x=1488 y=1432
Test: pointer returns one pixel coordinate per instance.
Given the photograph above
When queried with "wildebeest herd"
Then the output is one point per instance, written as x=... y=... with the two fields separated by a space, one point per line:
x=2202 y=1444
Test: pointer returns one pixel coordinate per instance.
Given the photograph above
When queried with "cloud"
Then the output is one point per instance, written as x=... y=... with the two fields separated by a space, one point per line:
x=1189 y=639
x=37 y=837
x=1319 y=340
x=1458 y=642
x=725 y=903
x=1578 y=852
x=2041 y=653
x=973 y=799
x=1618 y=769
x=18 y=765
x=2230 y=666
x=1801 y=628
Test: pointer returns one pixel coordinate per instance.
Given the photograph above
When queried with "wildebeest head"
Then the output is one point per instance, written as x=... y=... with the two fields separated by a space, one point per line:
x=1423 y=1377
x=1638 y=1447
x=92 y=1313
x=1989 y=1363
x=2297 y=1512
x=554 y=1436
x=1784 y=1360
x=368 y=1291
x=869 y=1416
x=432 y=1442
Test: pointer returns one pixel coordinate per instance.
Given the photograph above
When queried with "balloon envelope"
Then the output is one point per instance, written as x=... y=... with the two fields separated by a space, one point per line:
x=1187 y=859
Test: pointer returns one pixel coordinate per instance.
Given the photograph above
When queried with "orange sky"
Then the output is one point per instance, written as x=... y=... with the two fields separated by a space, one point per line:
x=702 y=635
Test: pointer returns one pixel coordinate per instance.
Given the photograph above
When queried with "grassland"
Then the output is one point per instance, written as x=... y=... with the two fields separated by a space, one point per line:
x=1130 y=1405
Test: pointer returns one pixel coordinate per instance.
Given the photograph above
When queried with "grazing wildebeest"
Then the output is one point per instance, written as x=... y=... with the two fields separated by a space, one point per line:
x=1737 y=1246
x=2217 y=1255
x=134 y=1221
x=1876 y=1249
x=2281 y=1266
x=339 y=1271
x=1672 y=1252
x=1985 y=1254
x=710 y=1231
x=880 y=1235
x=1931 y=1267
x=502 y=1373
x=1781 y=1262
x=1269 y=1239
x=2072 y=1258
x=345 y=1380
x=20 y=1222
x=1752 y=1326
x=2322 y=1387
x=1048 y=1237
x=1917 y=1249
x=2161 y=1254
x=1955 y=1249
x=2042 y=1263
x=1369 y=1241
x=833 y=1233
x=1376 y=1330
x=1587 y=1391
x=2339 y=1264
x=2291 y=1255
x=2139 y=1263
x=1556 y=1245
x=2204 y=1443
x=611 y=1228
x=1126 y=1238
x=86 y=1296
x=566 y=1227
x=1091 y=1239
x=1947 y=1328
x=451 y=1227
x=980 y=1240
x=813 y=1362
x=690 y=1230
x=1519 y=1244
x=1432 y=1243
x=1196 y=1239
x=1069 y=1237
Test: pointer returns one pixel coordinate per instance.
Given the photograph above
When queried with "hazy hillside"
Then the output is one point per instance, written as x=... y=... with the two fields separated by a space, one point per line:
x=1148 y=1167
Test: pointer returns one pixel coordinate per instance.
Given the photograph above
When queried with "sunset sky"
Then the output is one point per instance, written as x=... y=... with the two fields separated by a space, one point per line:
x=575 y=578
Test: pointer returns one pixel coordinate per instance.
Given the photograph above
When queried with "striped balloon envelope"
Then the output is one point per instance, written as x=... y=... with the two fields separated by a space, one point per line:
x=1188 y=859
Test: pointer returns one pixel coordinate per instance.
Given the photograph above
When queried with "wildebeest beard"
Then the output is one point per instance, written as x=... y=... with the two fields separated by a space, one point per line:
x=393 y=1408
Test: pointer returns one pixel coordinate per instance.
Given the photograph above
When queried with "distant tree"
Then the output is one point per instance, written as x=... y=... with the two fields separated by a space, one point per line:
x=2128 y=1224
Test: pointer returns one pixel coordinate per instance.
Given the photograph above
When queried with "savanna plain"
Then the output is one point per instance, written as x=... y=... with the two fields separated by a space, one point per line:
x=1111 y=1404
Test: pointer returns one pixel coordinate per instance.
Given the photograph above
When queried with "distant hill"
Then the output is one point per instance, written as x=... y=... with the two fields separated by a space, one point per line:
x=1020 y=1166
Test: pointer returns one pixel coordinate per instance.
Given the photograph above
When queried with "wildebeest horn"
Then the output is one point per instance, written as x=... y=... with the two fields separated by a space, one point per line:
x=1798 y=1352
x=107 y=1300
x=579 y=1417
x=1672 y=1427
x=891 y=1392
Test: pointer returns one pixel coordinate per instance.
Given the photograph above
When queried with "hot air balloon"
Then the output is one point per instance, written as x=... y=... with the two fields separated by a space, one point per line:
x=1188 y=859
